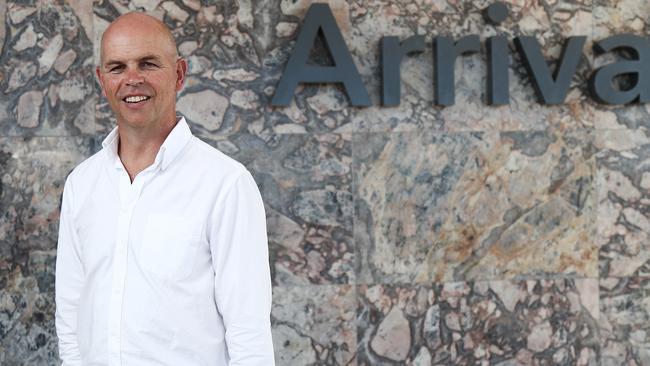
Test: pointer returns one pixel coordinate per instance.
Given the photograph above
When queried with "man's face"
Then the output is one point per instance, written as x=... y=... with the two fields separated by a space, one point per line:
x=140 y=73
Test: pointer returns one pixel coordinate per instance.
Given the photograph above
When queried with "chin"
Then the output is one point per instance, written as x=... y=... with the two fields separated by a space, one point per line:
x=136 y=122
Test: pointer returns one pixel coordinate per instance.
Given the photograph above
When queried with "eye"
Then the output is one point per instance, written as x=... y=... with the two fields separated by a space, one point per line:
x=115 y=69
x=149 y=65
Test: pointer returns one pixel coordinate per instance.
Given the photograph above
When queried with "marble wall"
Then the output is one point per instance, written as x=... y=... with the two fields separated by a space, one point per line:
x=416 y=235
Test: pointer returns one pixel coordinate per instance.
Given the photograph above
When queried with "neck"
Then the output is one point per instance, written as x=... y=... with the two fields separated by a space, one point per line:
x=137 y=147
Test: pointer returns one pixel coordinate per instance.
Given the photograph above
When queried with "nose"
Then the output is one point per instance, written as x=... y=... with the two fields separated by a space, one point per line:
x=134 y=77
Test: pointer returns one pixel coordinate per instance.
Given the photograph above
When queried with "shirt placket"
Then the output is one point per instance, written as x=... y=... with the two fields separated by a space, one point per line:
x=129 y=195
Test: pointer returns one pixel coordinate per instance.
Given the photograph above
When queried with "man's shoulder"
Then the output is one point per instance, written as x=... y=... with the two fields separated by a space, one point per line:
x=88 y=167
x=215 y=160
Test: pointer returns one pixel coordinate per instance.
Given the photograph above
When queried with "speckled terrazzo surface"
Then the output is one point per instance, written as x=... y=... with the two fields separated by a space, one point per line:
x=417 y=235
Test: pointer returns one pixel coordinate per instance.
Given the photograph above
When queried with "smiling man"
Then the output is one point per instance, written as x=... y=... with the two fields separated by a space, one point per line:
x=162 y=253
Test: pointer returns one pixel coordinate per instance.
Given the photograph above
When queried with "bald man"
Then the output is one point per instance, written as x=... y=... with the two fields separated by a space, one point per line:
x=162 y=255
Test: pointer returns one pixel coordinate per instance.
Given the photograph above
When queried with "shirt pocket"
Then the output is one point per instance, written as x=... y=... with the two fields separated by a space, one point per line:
x=170 y=245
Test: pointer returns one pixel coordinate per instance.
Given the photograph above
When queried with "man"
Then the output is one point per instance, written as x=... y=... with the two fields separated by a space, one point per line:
x=162 y=254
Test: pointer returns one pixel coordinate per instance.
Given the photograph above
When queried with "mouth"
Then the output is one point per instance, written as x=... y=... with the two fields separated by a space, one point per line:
x=135 y=99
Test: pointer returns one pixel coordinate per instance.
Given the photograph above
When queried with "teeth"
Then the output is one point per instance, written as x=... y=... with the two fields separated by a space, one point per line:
x=136 y=99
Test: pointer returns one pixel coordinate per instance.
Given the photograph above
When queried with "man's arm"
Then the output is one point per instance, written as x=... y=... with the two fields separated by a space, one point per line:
x=242 y=276
x=68 y=282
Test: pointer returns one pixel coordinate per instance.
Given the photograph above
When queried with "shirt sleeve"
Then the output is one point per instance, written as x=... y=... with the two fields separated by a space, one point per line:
x=242 y=275
x=68 y=282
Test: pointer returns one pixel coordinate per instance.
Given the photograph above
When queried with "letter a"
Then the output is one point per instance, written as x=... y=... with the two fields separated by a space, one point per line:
x=320 y=17
x=601 y=83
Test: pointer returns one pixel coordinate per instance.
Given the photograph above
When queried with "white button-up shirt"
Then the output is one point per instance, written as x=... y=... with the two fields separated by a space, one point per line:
x=170 y=269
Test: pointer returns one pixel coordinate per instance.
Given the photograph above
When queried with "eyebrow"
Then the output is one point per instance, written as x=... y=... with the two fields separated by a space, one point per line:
x=141 y=59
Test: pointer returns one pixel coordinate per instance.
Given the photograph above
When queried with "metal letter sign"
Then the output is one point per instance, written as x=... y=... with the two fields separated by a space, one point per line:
x=550 y=87
x=320 y=17
x=498 y=83
x=392 y=52
x=445 y=51
x=601 y=82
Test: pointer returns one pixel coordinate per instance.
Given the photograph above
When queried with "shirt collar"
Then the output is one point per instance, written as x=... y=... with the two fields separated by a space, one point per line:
x=174 y=143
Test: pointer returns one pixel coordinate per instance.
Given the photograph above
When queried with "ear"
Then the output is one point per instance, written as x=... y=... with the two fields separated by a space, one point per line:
x=181 y=71
x=99 y=78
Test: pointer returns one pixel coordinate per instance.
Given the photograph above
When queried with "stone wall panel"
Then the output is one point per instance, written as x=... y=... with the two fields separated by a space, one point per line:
x=474 y=206
x=46 y=76
x=413 y=234
x=479 y=323
x=32 y=175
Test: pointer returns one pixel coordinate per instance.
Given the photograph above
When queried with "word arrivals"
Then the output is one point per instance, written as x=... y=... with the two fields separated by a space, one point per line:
x=550 y=87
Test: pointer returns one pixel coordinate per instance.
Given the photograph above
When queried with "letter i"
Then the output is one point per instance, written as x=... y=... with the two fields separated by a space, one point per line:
x=498 y=85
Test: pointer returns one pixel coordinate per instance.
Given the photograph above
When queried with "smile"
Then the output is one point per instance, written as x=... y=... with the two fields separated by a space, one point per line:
x=136 y=99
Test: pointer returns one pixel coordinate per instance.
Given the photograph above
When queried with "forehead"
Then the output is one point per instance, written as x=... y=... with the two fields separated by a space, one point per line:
x=133 y=42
